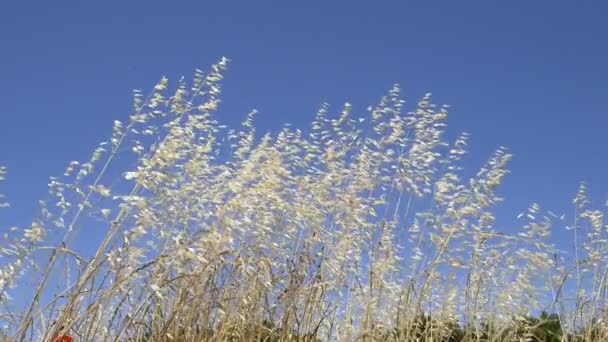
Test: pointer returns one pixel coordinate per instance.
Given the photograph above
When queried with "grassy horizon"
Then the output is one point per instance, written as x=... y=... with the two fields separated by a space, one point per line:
x=363 y=228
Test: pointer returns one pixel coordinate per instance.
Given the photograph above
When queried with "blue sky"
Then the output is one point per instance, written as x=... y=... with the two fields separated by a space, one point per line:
x=529 y=75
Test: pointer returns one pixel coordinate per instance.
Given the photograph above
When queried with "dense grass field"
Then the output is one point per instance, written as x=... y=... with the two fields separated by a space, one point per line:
x=358 y=228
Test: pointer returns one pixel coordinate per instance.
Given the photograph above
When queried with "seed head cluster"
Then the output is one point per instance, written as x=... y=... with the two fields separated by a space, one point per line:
x=359 y=228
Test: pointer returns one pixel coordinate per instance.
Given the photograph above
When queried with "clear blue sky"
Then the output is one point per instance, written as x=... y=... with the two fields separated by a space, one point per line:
x=529 y=75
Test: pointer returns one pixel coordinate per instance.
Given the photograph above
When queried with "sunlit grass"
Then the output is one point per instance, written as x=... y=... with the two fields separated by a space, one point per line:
x=362 y=227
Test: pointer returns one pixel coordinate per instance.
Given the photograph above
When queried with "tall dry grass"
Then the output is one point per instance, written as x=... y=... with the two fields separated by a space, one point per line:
x=180 y=229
